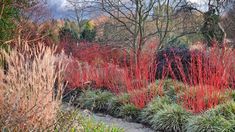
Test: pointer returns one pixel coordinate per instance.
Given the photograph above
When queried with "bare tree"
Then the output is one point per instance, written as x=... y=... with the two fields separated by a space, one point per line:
x=146 y=19
x=82 y=9
x=135 y=16
x=152 y=18
x=142 y=19
x=172 y=23
x=78 y=8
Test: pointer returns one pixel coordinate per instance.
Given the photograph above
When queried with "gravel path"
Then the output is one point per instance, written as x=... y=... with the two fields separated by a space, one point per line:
x=111 y=121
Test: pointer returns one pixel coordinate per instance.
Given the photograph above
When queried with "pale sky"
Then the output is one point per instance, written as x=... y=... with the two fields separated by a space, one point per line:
x=195 y=1
x=59 y=8
x=61 y=4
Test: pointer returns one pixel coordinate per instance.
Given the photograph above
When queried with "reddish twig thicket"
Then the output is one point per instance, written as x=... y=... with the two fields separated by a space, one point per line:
x=207 y=73
x=112 y=68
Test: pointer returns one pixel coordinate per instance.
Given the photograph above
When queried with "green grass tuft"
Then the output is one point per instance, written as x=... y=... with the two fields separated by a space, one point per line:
x=172 y=89
x=97 y=100
x=129 y=112
x=218 y=119
x=172 y=118
x=208 y=123
x=226 y=110
x=153 y=107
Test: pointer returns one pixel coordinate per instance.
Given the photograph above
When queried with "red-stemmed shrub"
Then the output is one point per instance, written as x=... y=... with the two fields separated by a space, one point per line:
x=112 y=68
x=207 y=74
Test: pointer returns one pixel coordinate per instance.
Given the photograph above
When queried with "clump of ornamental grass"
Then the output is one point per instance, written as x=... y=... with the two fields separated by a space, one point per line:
x=208 y=123
x=172 y=118
x=231 y=126
x=220 y=118
x=227 y=110
x=97 y=100
x=129 y=112
x=30 y=88
x=104 y=101
x=152 y=108
x=117 y=102
x=173 y=89
x=232 y=95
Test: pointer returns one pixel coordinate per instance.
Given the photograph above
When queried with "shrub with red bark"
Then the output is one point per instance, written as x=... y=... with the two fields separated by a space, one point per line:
x=207 y=74
x=112 y=68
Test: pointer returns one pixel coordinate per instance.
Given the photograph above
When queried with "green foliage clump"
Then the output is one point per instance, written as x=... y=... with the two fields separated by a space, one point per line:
x=68 y=33
x=70 y=30
x=105 y=101
x=172 y=118
x=152 y=108
x=230 y=127
x=211 y=29
x=7 y=17
x=88 y=33
x=97 y=100
x=172 y=89
x=207 y=123
x=116 y=103
x=226 y=110
x=221 y=118
x=129 y=112
x=232 y=95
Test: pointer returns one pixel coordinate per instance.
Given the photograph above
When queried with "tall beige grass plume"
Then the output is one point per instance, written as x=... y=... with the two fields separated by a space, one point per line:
x=31 y=89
